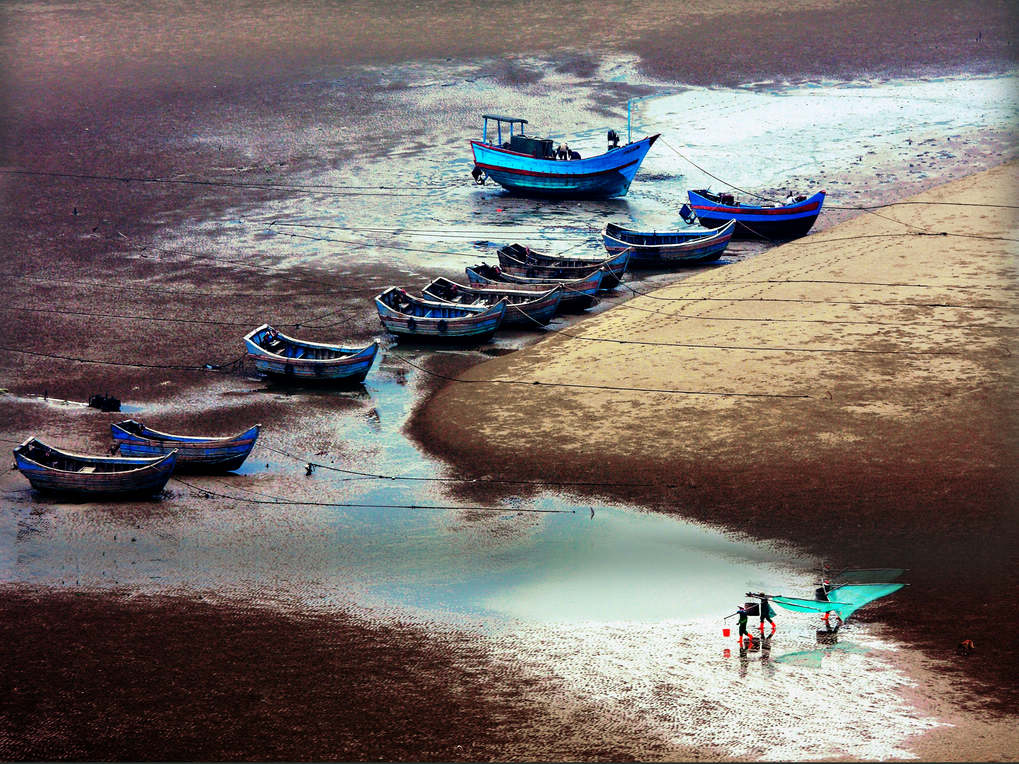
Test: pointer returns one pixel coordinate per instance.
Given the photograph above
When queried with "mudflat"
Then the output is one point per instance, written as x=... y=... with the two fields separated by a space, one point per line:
x=123 y=275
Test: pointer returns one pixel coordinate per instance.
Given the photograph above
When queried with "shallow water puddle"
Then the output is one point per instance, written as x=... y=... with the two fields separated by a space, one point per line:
x=397 y=538
x=623 y=609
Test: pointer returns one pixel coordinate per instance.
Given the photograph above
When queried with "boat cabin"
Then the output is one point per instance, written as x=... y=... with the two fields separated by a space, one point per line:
x=540 y=148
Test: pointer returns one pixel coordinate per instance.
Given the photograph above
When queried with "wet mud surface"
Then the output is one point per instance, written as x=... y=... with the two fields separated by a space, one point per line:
x=367 y=133
x=193 y=680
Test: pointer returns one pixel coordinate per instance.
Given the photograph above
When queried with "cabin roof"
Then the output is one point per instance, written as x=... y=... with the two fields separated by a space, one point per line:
x=504 y=119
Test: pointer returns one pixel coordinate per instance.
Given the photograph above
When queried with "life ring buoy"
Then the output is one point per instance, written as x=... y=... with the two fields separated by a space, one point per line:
x=443 y=326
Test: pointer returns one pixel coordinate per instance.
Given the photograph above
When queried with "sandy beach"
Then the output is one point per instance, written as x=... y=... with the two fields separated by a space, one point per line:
x=848 y=397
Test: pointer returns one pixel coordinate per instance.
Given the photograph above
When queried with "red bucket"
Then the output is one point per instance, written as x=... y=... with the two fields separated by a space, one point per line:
x=726 y=632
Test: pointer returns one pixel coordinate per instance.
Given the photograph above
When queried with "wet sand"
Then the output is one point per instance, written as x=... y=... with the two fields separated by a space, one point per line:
x=120 y=90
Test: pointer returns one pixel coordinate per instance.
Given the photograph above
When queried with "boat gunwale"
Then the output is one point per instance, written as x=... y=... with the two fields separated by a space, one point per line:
x=135 y=463
x=186 y=440
x=699 y=241
x=349 y=355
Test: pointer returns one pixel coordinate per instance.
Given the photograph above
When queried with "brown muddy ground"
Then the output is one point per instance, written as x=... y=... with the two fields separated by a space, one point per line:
x=195 y=681
x=113 y=89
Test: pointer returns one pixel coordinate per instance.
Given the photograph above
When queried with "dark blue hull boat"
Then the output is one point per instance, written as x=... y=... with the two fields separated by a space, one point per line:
x=776 y=223
x=194 y=452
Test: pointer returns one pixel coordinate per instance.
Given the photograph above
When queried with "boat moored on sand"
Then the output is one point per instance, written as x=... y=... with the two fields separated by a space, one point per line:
x=777 y=222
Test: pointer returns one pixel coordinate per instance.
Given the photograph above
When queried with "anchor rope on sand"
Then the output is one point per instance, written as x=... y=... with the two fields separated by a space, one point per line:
x=359 y=475
x=366 y=505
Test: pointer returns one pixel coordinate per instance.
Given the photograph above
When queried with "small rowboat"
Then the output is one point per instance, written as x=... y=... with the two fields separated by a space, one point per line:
x=778 y=222
x=663 y=248
x=523 y=308
x=277 y=355
x=50 y=469
x=196 y=452
x=528 y=166
x=410 y=317
x=552 y=266
x=578 y=294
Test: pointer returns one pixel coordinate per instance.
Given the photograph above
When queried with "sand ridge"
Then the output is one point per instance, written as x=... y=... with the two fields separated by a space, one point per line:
x=856 y=325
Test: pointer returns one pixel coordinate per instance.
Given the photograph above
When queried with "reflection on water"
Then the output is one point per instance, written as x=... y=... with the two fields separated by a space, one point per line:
x=817 y=133
x=309 y=538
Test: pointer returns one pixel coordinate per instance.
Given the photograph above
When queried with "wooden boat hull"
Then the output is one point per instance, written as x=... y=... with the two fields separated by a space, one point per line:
x=578 y=294
x=53 y=471
x=541 y=265
x=431 y=321
x=523 y=308
x=197 y=453
x=601 y=177
x=662 y=248
x=788 y=221
x=306 y=362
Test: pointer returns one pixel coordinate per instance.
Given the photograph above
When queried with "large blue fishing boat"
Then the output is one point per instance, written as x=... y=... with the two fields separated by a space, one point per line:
x=535 y=167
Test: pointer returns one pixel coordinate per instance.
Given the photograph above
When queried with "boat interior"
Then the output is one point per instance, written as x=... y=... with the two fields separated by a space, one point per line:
x=400 y=301
x=57 y=460
x=274 y=343
x=732 y=201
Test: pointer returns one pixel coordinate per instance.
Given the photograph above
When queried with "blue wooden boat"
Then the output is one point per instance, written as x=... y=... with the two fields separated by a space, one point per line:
x=528 y=166
x=194 y=452
x=410 y=317
x=578 y=294
x=277 y=355
x=554 y=266
x=85 y=477
x=775 y=223
x=665 y=248
x=523 y=308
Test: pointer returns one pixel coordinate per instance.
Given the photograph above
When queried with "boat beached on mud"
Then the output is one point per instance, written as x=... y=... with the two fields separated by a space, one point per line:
x=194 y=452
x=533 y=166
x=556 y=266
x=578 y=293
x=523 y=307
x=84 y=477
x=415 y=318
x=664 y=248
x=277 y=355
